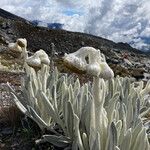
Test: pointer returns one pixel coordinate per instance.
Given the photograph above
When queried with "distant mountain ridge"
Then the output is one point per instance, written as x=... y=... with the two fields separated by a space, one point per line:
x=49 y=25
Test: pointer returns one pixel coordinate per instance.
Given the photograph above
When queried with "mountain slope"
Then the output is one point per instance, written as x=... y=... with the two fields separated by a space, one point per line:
x=65 y=41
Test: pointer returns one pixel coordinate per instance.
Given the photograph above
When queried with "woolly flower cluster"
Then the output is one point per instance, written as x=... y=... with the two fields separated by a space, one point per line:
x=89 y=60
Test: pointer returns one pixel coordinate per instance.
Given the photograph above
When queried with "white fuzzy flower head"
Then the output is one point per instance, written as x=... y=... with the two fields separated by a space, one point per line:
x=22 y=42
x=106 y=71
x=76 y=63
x=14 y=47
x=18 y=45
x=39 y=58
x=43 y=57
x=89 y=60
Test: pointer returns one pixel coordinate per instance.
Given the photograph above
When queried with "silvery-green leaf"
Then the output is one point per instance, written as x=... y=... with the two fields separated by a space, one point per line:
x=129 y=114
x=127 y=88
x=19 y=104
x=82 y=100
x=51 y=81
x=52 y=111
x=140 y=141
x=71 y=94
x=136 y=111
x=112 y=138
x=86 y=120
x=135 y=133
x=96 y=144
x=44 y=79
x=111 y=106
x=70 y=119
x=117 y=148
x=92 y=137
x=37 y=118
x=59 y=141
x=111 y=89
x=118 y=127
x=74 y=145
x=12 y=90
x=56 y=73
x=34 y=85
x=126 y=143
x=76 y=87
x=145 y=112
x=77 y=132
x=147 y=147
x=55 y=105
x=44 y=112
x=85 y=141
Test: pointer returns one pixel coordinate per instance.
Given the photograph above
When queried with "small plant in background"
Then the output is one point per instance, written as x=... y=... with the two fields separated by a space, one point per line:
x=37 y=60
x=10 y=60
x=97 y=115
x=18 y=48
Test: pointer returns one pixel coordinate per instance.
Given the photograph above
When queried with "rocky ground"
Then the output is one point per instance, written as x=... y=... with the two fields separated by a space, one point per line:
x=123 y=59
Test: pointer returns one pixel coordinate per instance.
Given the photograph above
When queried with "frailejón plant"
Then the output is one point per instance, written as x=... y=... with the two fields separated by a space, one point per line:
x=103 y=115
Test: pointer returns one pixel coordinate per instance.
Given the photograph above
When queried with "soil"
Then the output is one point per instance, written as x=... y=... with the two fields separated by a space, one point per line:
x=13 y=78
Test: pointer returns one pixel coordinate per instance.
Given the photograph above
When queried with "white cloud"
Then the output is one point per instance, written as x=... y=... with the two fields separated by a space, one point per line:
x=118 y=20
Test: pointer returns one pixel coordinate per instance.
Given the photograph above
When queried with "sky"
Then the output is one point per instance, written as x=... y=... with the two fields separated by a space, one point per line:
x=117 y=20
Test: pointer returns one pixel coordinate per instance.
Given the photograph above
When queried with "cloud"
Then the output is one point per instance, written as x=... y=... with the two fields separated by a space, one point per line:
x=118 y=20
x=124 y=21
